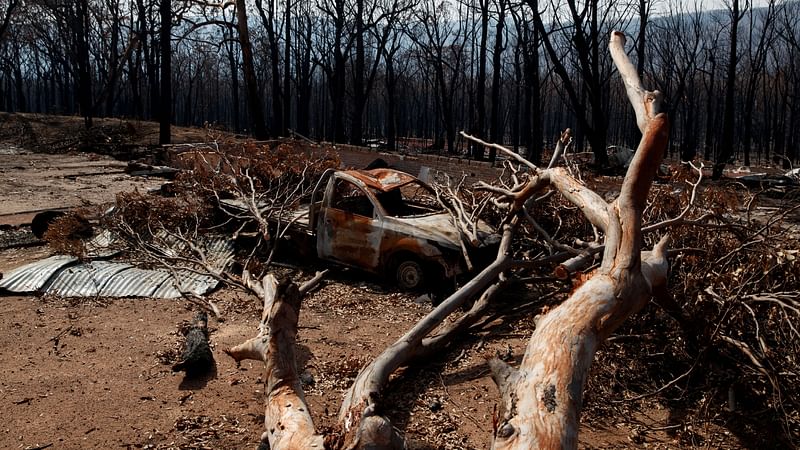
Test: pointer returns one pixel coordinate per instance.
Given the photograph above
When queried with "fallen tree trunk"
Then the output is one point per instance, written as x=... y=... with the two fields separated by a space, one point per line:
x=542 y=399
x=287 y=419
x=360 y=414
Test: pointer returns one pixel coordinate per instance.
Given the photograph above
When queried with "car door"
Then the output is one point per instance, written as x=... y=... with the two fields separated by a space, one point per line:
x=349 y=226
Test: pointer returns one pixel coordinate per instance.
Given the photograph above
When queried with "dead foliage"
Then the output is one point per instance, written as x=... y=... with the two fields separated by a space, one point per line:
x=264 y=181
x=730 y=358
x=68 y=233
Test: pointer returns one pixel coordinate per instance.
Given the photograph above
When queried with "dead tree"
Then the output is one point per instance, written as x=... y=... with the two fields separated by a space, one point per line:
x=542 y=399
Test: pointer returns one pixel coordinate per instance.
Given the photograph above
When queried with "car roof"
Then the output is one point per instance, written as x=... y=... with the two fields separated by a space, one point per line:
x=383 y=179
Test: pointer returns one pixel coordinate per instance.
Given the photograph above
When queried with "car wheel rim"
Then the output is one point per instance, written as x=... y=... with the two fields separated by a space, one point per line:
x=409 y=275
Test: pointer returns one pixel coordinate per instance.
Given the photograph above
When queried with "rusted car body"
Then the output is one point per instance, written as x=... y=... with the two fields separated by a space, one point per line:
x=385 y=222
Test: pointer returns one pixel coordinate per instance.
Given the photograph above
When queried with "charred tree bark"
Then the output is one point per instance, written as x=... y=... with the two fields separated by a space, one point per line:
x=165 y=113
x=533 y=106
x=726 y=141
x=477 y=128
x=197 y=358
x=496 y=130
x=268 y=20
x=82 y=62
x=542 y=399
x=304 y=74
x=254 y=105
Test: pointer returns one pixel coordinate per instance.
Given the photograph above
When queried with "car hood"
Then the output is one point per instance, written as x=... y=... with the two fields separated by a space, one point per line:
x=439 y=227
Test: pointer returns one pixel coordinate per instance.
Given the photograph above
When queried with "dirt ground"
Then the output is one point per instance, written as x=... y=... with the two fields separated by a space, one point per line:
x=95 y=373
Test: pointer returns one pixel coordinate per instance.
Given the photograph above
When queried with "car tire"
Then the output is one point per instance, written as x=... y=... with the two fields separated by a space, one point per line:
x=409 y=275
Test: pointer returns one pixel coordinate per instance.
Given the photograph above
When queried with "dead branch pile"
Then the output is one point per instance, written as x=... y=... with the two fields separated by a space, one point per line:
x=726 y=351
x=265 y=182
x=725 y=329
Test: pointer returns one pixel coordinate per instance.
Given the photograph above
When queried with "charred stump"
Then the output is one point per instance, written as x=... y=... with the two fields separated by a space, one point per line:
x=197 y=358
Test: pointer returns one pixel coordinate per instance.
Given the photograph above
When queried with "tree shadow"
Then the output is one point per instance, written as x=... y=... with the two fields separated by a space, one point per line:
x=193 y=381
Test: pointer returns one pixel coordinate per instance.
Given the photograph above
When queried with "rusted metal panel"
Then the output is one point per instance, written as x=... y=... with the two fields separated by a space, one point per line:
x=382 y=179
x=31 y=277
x=350 y=238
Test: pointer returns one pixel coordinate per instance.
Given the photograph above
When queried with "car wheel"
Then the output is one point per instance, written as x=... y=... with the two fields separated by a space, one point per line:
x=409 y=275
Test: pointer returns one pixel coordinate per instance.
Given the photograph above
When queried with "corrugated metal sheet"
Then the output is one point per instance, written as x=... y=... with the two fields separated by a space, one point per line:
x=31 y=277
x=59 y=275
x=220 y=252
x=83 y=280
x=133 y=282
x=102 y=245
x=187 y=281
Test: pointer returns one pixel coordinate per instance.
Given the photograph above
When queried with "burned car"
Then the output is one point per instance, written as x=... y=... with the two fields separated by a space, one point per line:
x=387 y=222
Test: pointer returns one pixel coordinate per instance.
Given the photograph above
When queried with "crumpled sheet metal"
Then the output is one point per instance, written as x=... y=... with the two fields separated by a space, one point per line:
x=33 y=276
x=186 y=281
x=61 y=275
x=83 y=280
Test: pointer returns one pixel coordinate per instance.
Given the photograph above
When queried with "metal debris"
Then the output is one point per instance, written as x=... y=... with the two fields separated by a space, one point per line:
x=31 y=277
x=83 y=280
x=61 y=275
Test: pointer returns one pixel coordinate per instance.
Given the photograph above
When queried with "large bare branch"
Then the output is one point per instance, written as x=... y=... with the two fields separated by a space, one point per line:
x=287 y=419
x=542 y=399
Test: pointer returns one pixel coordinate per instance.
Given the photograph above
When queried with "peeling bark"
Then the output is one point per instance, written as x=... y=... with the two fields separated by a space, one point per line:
x=287 y=419
x=542 y=399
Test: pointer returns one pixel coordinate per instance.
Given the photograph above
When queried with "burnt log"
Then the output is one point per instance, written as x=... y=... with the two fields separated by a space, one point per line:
x=196 y=358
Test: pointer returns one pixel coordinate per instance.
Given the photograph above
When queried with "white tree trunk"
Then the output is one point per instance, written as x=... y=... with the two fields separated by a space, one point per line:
x=287 y=420
x=542 y=399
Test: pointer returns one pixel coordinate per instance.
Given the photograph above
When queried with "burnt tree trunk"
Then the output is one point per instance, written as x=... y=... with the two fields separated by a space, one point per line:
x=197 y=358
x=165 y=110
x=726 y=141
x=496 y=129
x=250 y=80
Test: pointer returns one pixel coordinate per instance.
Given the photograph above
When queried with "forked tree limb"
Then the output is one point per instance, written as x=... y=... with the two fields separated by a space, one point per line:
x=287 y=419
x=360 y=414
x=561 y=145
x=542 y=399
